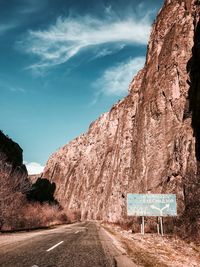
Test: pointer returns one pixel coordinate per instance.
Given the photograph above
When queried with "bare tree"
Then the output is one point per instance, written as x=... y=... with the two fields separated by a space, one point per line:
x=13 y=185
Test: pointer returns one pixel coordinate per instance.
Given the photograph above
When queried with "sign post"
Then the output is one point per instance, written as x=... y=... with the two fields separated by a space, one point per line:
x=158 y=226
x=161 y=226
x=159 y=205
x=142 y=226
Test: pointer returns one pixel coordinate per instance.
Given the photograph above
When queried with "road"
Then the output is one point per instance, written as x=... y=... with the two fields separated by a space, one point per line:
x=77 y=245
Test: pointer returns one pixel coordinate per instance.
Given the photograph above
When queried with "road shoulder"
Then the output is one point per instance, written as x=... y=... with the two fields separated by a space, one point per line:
x=152 y=249
x=114 y=249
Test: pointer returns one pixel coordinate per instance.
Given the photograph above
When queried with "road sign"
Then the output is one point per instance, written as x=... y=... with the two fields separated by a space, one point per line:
x=151 y=205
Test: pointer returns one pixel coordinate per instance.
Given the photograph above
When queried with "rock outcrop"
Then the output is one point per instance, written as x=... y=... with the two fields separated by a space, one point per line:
x=150 y=141
x=13 y=172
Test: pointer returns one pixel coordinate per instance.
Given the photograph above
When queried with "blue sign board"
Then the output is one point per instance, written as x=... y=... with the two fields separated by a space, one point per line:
x=151 y=205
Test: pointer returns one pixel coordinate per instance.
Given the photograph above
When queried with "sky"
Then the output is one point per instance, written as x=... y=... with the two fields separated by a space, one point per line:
x=65 y=62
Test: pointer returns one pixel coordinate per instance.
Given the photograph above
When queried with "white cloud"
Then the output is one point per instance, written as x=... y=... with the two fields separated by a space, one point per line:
x=68 y=36
x=34 y=167
x=102 y=52
x=115 y=80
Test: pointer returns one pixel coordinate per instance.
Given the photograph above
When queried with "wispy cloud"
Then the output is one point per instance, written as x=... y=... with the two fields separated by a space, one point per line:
x=68 y=36
x=6 y=86
x=16 y=89
x=17 y=15
x=115 y=80
x=4 y=28
x=34 y=167
x=28 y=10
x=102 y=52
x=29 y=7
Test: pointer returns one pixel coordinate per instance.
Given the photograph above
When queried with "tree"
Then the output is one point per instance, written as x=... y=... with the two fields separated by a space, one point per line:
x=43 y=191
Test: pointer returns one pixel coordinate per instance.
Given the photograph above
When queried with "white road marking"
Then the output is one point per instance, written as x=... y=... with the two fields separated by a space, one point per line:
x=55 y=246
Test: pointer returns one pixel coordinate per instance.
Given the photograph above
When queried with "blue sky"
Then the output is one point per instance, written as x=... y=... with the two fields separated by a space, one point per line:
x=65 y=62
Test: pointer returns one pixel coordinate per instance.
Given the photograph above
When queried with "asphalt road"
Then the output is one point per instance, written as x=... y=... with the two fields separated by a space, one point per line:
x=77 y=245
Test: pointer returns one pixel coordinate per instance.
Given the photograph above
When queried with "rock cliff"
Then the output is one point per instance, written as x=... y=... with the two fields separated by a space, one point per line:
x=13 y=173
x=150 y=141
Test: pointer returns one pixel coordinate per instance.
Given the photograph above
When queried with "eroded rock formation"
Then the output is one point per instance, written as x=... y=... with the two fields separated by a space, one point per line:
x=150 y=141
x=13 y=172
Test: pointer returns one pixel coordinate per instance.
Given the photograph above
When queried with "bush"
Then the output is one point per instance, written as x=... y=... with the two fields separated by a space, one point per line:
x=16 y=212
x=34 y=215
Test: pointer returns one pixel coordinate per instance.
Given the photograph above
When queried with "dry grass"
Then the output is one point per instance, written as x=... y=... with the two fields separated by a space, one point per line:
x=32 y=215
x=73 y=216
x=17 y=213
x=152 y=250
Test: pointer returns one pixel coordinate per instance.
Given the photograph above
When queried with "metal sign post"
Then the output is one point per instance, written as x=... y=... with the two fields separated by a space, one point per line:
x=161 y=226
x=158 y=227
x=142 y=226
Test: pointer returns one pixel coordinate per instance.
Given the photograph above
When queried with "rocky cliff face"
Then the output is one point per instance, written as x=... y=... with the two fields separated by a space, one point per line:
x=13 y=173
x=150 y=141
